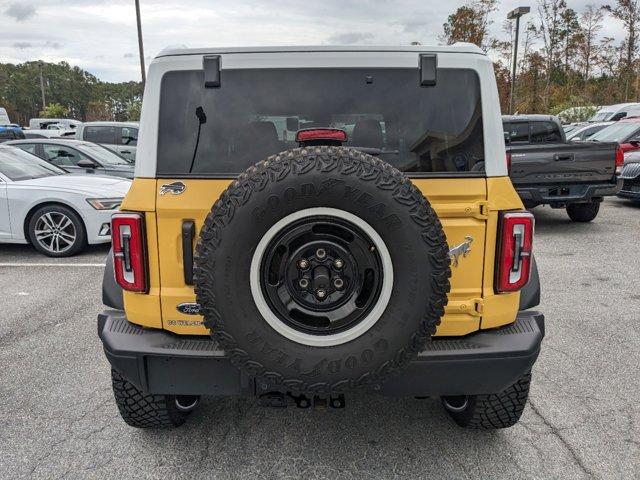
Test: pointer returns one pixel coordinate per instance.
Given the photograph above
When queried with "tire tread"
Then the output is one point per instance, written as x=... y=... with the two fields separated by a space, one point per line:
x=298 y=162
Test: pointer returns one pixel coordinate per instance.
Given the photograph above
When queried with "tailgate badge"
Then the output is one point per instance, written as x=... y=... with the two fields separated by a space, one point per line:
x=175 y=188
x=189 y=308
x=460 y=250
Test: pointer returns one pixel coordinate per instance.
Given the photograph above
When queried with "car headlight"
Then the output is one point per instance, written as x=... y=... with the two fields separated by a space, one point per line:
x=104 y=203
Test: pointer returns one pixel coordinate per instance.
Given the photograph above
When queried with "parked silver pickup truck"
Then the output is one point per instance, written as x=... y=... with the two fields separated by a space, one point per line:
x=546 y=169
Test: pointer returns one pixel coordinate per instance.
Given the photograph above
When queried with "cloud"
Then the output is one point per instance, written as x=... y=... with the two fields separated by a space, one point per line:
x=22 y=45
x=52 y=44
x=350 y=38
x=20 y=11
x=411 y=26
x=100 y=35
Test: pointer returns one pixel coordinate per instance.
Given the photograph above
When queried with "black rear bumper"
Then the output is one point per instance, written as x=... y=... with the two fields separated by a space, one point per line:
x=561 y=195
x=162 y=363
x=630 y=188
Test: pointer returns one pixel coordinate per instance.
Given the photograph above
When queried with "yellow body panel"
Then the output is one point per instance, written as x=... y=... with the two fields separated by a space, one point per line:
x=466 y=207
x=194 y=204
x=499 y=309
x=144 y=309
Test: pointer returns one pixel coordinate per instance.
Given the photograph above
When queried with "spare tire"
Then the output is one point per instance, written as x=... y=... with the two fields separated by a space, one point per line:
x=320 y=270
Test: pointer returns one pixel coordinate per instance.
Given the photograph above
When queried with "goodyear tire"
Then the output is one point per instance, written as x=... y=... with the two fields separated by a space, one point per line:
x=321 y=270
x=489 y=412
x=144 y=410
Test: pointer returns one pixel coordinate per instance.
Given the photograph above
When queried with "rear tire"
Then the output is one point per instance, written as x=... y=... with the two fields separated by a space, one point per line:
x=488 y=412
x=583 y=212
x=143 y=410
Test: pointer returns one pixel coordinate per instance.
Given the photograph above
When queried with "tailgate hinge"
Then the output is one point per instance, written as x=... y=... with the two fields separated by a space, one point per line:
x=473 y=307
x=479 y=210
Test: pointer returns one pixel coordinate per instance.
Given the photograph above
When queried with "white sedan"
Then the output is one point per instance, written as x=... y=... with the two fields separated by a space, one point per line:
x=58 y=213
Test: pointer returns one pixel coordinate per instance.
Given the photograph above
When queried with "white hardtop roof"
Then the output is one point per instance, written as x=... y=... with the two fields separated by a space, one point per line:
x=616 y=106
x=461 y=47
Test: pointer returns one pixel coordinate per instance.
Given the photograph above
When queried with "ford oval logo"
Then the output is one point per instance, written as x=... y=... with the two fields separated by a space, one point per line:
x=189 y=308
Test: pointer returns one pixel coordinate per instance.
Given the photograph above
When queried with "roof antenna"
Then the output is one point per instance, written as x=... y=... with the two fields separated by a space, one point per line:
x=202 y=118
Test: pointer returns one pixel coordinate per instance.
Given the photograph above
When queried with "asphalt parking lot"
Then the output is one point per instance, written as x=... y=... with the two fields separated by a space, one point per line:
x=58 y=418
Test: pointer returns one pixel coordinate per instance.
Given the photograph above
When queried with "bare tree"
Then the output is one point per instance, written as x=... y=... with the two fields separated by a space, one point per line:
x=550 y=13
x=628 y=12
x=591 y=23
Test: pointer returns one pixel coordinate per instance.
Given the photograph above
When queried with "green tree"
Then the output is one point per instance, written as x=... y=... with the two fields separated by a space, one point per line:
x=133 y=110
x=54 y=110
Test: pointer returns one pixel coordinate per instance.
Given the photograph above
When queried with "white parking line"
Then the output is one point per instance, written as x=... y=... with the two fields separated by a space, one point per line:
x=52 y=264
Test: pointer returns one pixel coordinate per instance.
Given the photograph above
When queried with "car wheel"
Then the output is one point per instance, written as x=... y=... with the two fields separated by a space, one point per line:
x=143 y=410
x=57 y=231
x=583 y=212
x=488 y=412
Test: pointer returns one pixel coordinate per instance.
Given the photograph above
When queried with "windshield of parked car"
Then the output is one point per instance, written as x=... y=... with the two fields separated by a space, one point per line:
x=618 y=132
x=18 y=165
x=102 y=155
x=385 y=112
x=600 y=116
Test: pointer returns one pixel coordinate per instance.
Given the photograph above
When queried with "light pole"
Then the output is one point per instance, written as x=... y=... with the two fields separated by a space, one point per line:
x=515 y=14
x=44 y=102
x=140 y=47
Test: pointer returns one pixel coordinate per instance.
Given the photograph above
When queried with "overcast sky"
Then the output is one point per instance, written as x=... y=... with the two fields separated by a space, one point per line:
x=100 y=35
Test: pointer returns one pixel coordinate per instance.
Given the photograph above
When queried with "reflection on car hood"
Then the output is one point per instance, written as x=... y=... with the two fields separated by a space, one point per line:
x=103 y=186
x=125 y=168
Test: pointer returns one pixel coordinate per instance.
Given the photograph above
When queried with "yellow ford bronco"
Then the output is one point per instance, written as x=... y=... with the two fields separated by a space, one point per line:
x=309 y=222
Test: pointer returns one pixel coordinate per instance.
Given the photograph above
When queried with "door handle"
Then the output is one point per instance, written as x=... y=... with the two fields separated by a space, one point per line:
x=188 y=232
x=563 y=156
x=125 y=151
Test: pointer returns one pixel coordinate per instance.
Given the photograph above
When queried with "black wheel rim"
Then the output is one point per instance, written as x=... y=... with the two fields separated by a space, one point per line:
x=321 y=275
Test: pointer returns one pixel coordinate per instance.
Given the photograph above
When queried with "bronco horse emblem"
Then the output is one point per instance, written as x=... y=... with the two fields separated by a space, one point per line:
x=460 y=250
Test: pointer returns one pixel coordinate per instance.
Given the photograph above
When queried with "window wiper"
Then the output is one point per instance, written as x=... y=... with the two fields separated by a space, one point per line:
x=202 y=118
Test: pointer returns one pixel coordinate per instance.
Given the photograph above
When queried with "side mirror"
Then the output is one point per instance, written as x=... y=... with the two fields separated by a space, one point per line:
x=86 y=164
x=507 y=138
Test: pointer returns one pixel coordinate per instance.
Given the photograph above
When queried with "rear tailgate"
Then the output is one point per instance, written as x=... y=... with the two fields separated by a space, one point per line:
x=563 y=163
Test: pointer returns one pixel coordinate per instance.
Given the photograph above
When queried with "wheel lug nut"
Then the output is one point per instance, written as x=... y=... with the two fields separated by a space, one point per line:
x=320 y=293
x=338 y=263
x=304 y=283
x=338 y=283
x=303 y=264
x=321 y=253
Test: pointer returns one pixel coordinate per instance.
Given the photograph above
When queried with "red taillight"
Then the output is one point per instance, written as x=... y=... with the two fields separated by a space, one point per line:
x=514 y=251
x=619 y=160
x=331 y=134
x=129 y=257
x=508 y=163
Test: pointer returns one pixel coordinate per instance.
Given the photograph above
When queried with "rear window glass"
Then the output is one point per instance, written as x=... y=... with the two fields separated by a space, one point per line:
x=100 y=134
x=517 y=132
x=385 y=112
x=545 y=132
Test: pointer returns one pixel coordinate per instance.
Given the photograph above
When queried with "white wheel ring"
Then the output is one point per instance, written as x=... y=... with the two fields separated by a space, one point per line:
x=336 y=338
